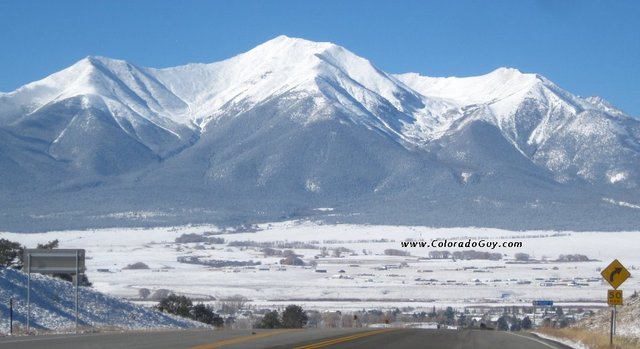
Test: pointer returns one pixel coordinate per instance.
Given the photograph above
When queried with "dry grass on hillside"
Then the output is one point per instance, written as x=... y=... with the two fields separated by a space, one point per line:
x=593 y=331
x=592 y=339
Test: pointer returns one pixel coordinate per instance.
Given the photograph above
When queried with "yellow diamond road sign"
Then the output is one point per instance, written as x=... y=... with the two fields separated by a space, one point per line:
x=615 y=274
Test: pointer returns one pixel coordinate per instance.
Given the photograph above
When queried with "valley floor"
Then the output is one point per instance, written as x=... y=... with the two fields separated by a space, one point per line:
x=350 y=267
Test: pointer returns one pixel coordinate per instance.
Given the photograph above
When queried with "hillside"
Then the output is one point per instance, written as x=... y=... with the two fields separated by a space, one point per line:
x=53 y=307
x=627 y=323
x=593 y=332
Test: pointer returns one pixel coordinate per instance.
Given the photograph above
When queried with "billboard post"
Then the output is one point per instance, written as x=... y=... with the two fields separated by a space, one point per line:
x=57 y=261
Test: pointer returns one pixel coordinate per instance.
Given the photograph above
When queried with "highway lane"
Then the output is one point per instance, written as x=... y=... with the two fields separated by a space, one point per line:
x=434 y=339
x=288 y=339
x=188 y=339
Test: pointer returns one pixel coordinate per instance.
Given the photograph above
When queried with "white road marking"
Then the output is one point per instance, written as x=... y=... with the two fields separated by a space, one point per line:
x=536 y=340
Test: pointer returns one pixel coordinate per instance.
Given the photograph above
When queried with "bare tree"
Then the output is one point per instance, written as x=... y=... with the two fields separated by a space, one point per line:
x=144 y=293
x=232 y=305
x=331 y=320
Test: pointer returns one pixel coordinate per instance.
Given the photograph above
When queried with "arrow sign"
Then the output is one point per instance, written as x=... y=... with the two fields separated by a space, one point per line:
x=615 y=274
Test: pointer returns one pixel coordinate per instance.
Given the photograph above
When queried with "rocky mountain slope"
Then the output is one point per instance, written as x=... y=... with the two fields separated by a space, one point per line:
x=292 y=126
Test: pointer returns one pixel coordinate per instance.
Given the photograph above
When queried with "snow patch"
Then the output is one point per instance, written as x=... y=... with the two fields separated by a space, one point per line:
x=615 y=177
x=621 y=203
x=466 y=176
x=567 y=342
x=312 y=186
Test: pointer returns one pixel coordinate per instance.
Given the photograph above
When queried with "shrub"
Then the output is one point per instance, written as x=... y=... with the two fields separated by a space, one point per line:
x=49 y=245
x=137 y=265
x=205 y=314
x=503 y=325
x=214 y=262
x=10 y=254
x=160 y=294
x=183 y=306
x=292 y=260
x=268 y=252
x=339 y=251
x=439 y=254
x=573 y=258
x=395 y=252
x=472 y=254
x=144 y=293
x=84 y=280
x=177 y=305
x=194 y=238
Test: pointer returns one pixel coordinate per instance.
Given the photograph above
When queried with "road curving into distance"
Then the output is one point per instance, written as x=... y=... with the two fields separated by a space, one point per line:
x=288 y=339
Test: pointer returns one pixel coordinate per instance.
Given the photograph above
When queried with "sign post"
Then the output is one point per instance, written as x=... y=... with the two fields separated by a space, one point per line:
x=614 y=319
x=11 y=316
x=57 y=261
x=77 y=278
x=542 y=304
x=615 y=274
x=28 y=294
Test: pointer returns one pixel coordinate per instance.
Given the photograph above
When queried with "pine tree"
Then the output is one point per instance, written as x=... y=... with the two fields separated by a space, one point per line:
x=177 y=305
x=270 y=320
x=294 y=317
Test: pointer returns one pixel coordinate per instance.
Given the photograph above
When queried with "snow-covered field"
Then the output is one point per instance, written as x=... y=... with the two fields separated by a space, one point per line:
x=362 y=276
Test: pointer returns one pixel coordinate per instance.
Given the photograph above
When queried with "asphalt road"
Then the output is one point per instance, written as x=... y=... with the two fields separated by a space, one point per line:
x=281 y=339
x=434 y=339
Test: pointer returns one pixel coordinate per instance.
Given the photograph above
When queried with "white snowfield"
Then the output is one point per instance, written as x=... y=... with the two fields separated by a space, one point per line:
x=363 y=276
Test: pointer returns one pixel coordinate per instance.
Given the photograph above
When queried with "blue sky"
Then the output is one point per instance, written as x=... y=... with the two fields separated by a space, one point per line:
x=586 y=47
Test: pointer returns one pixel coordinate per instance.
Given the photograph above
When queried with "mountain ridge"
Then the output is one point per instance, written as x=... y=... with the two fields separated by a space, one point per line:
x=294 y=124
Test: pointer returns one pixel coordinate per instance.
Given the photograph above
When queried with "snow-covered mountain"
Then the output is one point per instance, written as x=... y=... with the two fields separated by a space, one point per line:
x=292 y=125
x=570 y=136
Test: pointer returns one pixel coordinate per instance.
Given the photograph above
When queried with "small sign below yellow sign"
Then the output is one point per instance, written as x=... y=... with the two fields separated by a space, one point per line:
x=615 y=274
x=614 y=297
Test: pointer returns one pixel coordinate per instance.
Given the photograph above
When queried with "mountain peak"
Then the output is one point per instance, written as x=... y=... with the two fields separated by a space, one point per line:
x=498 y=84
x=101 y=62
x=285 y=52
x=510 y=75
x=507 y=74
x=507 y=71
x=94 y=59
x=283 y=41
x=602 y=104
